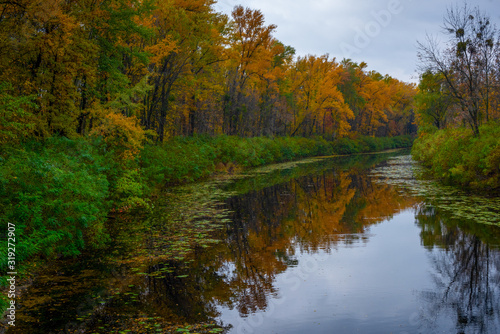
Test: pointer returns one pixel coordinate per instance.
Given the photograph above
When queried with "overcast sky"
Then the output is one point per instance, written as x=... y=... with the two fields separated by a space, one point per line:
x=382 y=33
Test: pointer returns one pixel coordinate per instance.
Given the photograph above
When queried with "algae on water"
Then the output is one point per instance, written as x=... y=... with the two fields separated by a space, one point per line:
x=408 y=175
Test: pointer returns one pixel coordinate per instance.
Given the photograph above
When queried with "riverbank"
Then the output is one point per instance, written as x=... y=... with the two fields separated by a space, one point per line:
x=457 y=157
x=60 y=194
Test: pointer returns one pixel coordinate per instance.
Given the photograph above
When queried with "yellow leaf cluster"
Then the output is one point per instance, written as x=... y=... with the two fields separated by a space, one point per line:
x=122 y=134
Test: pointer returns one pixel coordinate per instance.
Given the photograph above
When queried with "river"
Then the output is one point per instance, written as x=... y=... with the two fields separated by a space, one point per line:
x=359 y=244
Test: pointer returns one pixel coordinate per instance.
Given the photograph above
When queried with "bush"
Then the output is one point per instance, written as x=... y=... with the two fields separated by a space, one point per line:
x=56 y=197
x=456 y=156
x=131 y=191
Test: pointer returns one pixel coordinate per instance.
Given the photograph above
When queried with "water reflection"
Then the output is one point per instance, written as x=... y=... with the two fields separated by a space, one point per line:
x=268 y=231
x=318 y=246
x=466 y=274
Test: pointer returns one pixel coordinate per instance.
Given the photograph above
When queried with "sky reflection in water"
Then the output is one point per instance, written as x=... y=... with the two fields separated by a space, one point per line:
x=367 y=258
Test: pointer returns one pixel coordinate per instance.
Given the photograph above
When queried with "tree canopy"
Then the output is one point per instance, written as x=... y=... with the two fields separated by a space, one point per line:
x=178 y=67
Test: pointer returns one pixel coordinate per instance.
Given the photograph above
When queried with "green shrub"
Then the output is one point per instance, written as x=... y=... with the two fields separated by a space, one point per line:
x=366 y=144
x=131 y=191
x=55 y=196
x=456 y=156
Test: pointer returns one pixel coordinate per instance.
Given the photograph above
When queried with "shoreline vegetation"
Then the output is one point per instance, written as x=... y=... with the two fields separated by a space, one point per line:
x=61 y=192
x=457 y=157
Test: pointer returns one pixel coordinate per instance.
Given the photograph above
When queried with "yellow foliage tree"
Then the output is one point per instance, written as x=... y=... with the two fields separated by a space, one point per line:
x=319 y=105
x=121 y=134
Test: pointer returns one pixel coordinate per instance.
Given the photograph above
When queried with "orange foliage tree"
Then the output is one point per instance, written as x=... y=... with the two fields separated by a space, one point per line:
x=319 y=105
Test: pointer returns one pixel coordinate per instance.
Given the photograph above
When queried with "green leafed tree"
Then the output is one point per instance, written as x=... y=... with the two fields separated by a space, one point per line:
x=433 y=101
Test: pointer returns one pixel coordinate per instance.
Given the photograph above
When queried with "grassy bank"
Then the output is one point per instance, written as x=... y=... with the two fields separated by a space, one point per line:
x=191 y=158
x=59 y=193
x=457 y=157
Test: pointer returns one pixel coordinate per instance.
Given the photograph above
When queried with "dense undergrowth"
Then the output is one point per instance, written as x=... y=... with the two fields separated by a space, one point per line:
x=458 y=157
x=59 y=193
x=187 y=159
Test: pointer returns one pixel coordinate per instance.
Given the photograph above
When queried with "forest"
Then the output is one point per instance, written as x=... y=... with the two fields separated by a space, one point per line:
x=128 y=70
x=104 y=102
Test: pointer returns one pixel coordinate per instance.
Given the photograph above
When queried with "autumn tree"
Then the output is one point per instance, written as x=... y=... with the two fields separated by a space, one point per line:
x=41 y=52
x=70 y=55
x=188 y=39
x=273 y=112
x=352 y=74
x=319 y=107
x=400 y=113
x=250 y=43
x=375 y=92
x=203 y=86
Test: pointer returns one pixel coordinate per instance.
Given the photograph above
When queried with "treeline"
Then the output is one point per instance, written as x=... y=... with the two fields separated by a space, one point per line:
x=457 y=106
x=127 y=70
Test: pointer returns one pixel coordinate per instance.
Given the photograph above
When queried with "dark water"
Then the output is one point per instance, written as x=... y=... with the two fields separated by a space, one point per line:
x=322 y=247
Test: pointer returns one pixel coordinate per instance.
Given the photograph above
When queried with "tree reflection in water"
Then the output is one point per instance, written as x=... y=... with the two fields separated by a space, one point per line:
x=332 y=208
x=466 y=274
x=267 y=229
x=276 y=223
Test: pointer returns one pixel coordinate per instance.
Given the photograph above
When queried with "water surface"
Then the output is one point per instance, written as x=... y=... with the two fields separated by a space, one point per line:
x=337 y=245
